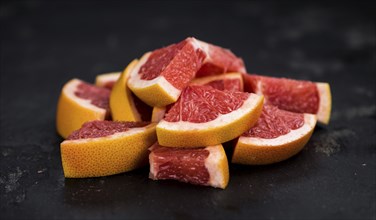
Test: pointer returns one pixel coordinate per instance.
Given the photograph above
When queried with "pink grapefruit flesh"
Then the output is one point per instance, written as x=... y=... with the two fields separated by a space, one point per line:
x=97 y=95
x=95 y=129
x=274 y=122
x=200 y=104
x=206 y=166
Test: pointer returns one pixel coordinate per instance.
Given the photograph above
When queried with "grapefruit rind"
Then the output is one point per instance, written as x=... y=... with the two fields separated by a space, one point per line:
x=208 y=79
x=121 y=101
x=325 y=106
x=104 y=78
x=222 y=129
x=156 y=92
x=217 y=166
x=158 y=114
x=73 y=111
x=103 y=156
x=261 y=151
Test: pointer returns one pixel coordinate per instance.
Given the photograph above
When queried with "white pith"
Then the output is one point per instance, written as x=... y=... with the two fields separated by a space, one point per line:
x=212 y=164
x=309 y=125
x=69 y=90
x=104 y=78
x=222 y=120
x=158 y=114
x=323 y=113
x=135 y=81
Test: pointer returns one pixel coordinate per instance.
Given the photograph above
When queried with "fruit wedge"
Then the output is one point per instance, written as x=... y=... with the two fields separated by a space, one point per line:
x=228 y=81
x=204 y=116
x=125 y=106
x=80 y=102
x=293 y=95
x=206 y=166
x=107 y=80
x=277 y=136
x=101 y=148
x=161 y=75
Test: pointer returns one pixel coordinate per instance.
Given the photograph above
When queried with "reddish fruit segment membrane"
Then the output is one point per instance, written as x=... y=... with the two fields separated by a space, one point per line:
x=288 y=94
x=226 y=84
x=200 y=104
x=183 y=164
x=274 y=122
x=220 y=60
x=178 y=63
x=143 y=109
x=95 y=129
x=98 y=96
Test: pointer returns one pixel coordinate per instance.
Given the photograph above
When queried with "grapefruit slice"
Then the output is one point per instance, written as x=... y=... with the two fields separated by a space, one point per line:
x=80 y=102
x=293 y=95
x=204 y=116
x=277 y=135
x=101 y=148
x=160 y=76
x=206 y=166
x=229 y=81
x=125 y=106
x=107 y=80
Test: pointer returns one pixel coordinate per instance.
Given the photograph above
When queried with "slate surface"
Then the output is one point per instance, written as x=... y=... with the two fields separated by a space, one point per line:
x=44 y=44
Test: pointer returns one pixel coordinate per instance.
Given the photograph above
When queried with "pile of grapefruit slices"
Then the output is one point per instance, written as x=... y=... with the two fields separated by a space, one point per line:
x=175 y=107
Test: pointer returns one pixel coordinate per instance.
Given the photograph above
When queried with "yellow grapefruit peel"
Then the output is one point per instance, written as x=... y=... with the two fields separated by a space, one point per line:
x=108 y=155
x=187 y=134
x=261 y=151
x=121 y=101
x=73 y=111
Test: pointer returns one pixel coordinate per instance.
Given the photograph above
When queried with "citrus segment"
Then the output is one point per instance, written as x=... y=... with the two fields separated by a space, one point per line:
x=206 y=166
x=160 y=75
x=125 y=106
x=102 y=148
x=80 y=102
x=107 y=80
x=292 y=95
x=204 y=116
x=228 y=81
x=277 y=135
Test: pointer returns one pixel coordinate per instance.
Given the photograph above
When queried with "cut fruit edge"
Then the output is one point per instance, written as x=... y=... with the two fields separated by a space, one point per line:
x=122 y=105
x=189 y=134
x=216 y=164
x=325 y=106
x=72 y=111
x=102 y=79
x=159 y=87
x=158 y=114
x=69 y=91
x=258 y=151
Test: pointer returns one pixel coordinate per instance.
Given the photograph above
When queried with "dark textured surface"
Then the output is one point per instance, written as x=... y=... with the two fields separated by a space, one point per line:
x=44 y=44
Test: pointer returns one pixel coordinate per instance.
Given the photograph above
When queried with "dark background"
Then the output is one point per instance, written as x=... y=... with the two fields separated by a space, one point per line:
x=44 y=44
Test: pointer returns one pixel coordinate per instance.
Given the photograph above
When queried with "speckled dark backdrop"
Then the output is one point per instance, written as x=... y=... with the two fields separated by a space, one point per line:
x=44 y=44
